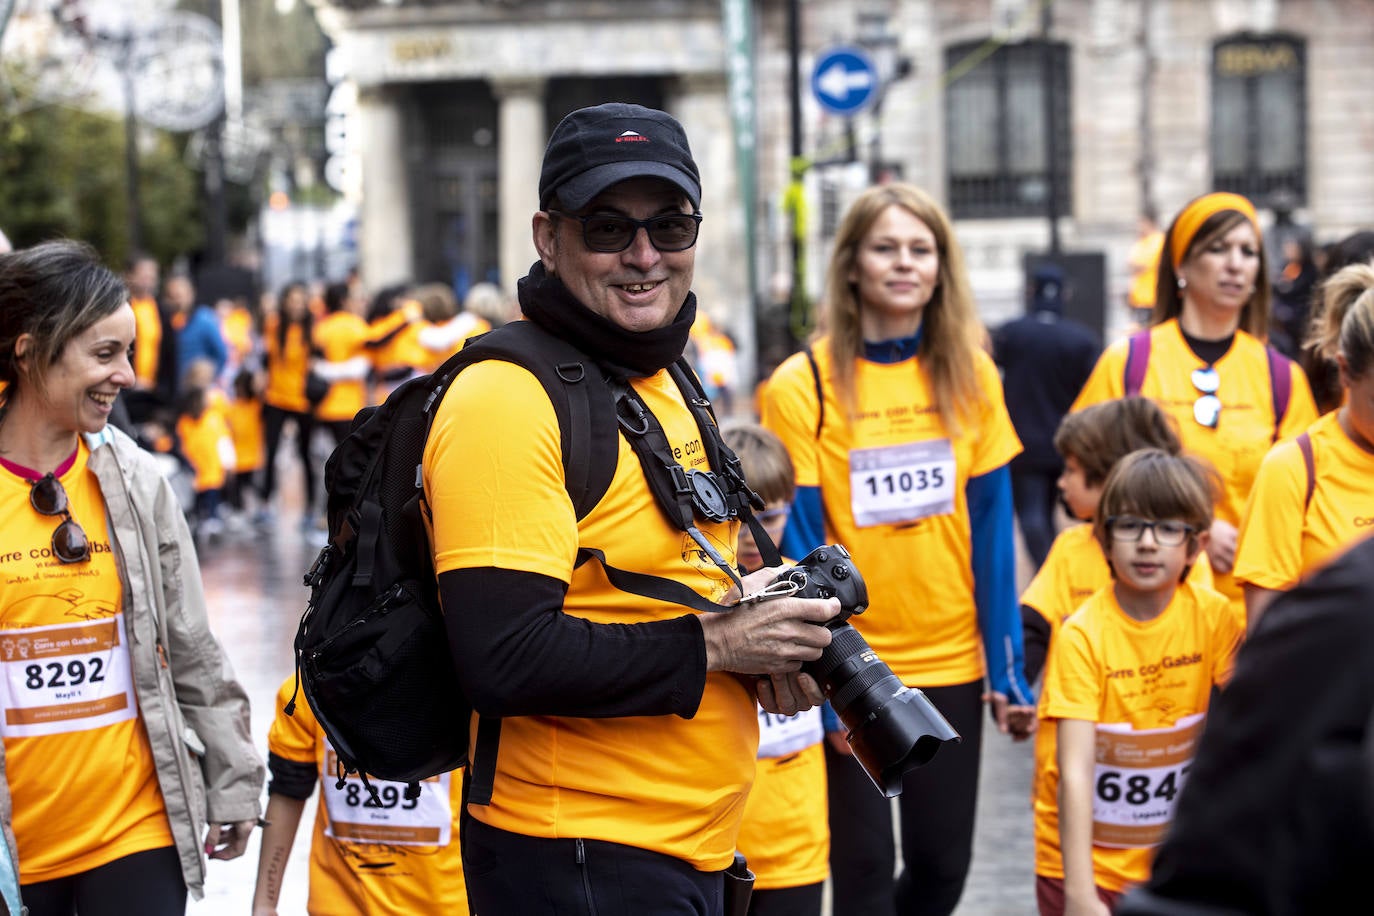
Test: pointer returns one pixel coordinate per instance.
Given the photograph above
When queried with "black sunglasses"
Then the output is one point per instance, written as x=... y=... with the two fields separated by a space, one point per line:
x=69 y=543
x=609 y=233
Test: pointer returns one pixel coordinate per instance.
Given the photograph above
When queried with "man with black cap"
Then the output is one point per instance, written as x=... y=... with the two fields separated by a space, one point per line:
x=628 y=736
x=1045 y=359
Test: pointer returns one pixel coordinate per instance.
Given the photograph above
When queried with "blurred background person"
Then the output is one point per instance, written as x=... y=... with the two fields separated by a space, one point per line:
x=1294 y=285
x=491 y=303
x=118 y=752
x=1314 y=495
x=390 y=362
x=288 y=334
x=343 y=340
x=1143 y=263
x=1206 y=363
x=196 y=327
x=1045 y=359
x=444 y=329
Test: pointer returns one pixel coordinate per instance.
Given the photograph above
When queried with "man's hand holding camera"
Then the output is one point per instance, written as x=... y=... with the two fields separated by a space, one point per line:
x=772 y=638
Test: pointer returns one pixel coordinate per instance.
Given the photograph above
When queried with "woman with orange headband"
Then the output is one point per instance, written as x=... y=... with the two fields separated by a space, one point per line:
x=1205 y=360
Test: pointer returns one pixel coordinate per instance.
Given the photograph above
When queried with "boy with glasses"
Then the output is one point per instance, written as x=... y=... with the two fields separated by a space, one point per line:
x=1129 y=680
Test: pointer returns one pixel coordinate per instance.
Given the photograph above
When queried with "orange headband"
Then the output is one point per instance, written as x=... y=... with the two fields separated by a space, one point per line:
x=1198 y=212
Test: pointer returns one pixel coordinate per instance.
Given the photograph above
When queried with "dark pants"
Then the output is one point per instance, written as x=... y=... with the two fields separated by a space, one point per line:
x=1035 y=495
x=273 y=419
x=147 y=883
x=514 y=875
x=937 y=809
x=788 y=901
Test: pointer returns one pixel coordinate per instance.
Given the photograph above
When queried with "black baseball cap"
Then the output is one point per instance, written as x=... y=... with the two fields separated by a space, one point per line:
x=594 y=148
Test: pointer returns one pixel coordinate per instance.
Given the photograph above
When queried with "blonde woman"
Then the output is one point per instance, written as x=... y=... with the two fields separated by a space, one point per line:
x=896 y=425
x=1314 y=495
x=1205 y=361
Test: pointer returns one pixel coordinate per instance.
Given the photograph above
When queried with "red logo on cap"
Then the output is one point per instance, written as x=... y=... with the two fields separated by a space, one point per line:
x=631 y=136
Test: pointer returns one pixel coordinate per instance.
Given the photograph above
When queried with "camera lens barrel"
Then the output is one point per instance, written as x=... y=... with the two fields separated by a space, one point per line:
x=892 y=728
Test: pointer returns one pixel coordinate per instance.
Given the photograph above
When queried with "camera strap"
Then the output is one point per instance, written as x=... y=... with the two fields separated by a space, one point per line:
x=718 y=495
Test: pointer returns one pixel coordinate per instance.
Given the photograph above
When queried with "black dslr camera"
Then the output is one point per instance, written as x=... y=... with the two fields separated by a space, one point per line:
x=892 y=728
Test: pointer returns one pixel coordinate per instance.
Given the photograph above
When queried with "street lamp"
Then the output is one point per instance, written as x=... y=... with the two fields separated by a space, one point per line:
x=881 y=44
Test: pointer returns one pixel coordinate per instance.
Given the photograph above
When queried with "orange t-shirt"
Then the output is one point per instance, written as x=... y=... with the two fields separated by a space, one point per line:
x=77 y=759
x=147 y=339
x=286 y=367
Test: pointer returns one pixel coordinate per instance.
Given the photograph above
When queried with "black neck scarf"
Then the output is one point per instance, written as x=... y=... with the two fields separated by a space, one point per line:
x=626 y=354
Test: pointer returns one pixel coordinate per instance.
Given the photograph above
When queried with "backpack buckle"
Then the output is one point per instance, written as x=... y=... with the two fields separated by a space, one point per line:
x=315 y=575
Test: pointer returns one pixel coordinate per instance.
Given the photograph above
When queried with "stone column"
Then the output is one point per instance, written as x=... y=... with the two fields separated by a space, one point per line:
x=386 y=254
x=522 y=140
x=701 y=103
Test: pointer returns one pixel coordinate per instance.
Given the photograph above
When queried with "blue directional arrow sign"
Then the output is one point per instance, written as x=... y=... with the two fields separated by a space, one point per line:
x=844 y=80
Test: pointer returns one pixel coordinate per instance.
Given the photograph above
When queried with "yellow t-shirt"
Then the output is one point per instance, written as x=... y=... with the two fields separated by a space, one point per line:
x=340 y=336
x=1280 y=543
x=397 y=860
x=237 y=330
x=1144 y=264
x=1246 y=429
x=77 y=759
x=244 y=416
x=656 y=782
x=905 y=521
x=1133 y=676
x=286 y=367
x=147 y=339
x=201 y=441
x=1073 y=572
x=785 y=835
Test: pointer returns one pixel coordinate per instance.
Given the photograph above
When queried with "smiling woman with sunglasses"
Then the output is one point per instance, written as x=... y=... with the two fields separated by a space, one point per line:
x=124 y=729
x=1206 y=363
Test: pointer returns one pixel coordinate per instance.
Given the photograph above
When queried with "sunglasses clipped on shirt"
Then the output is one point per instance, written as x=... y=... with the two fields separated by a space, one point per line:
x=69 y=543
x=610 y=233
x=1207 y=408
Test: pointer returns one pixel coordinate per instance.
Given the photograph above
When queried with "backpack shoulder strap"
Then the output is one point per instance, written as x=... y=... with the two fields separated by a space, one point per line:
x=1280 y=384
x=577 y=390
x=820 y=394
x=1137 y=361
x=1310 y=464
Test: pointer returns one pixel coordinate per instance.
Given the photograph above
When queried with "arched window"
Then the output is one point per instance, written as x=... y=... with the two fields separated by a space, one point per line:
x=995 y=139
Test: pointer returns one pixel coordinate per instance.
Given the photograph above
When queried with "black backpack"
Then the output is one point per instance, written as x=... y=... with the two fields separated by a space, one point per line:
x=372 y=650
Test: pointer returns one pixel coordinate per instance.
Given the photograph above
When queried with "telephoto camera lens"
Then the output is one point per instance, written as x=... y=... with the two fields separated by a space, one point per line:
x=893 y=728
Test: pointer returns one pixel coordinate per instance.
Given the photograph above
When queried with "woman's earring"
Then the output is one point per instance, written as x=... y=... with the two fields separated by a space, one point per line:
x=1182 y=283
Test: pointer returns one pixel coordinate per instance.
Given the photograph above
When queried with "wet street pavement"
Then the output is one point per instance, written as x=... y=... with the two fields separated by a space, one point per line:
x=253 y=585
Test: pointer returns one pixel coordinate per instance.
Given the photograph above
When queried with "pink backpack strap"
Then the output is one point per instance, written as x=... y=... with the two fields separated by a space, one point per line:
x=1137 y=360
x=1281 y=385
x=1309 y=461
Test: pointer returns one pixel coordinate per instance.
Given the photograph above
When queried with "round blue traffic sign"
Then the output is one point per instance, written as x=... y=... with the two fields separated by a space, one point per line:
x=844 y=80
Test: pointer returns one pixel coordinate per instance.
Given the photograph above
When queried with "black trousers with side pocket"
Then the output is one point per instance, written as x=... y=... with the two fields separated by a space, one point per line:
x=509 y=874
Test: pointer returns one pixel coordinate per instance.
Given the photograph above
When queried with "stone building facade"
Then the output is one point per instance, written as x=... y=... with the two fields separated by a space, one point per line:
x=1151 y=102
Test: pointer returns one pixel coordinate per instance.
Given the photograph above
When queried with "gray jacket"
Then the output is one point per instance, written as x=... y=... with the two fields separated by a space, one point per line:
x=195 y=712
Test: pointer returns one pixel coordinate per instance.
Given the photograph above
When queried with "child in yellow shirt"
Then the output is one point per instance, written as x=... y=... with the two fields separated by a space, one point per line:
x=785 y=835
x=396 y=858
x=1091 y=442
x=1129 y=679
